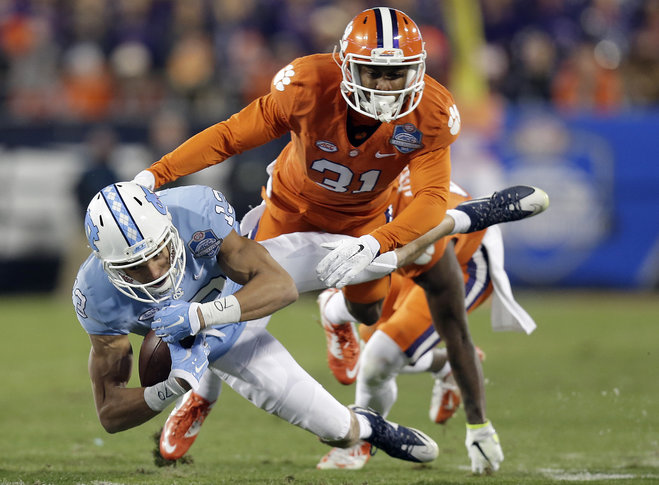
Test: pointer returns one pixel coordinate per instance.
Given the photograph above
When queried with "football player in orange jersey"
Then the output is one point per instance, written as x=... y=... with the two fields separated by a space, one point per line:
x=356 y=120
x=404 y=341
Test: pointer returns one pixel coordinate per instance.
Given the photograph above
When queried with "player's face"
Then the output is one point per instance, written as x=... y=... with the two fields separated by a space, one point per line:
x=152 y=269
x=383 y=78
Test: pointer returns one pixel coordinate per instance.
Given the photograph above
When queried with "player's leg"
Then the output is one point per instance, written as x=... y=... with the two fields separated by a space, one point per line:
x=260 y=369
x=444 y=288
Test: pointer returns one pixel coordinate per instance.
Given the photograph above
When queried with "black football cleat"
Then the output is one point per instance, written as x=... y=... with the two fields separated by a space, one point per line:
x=511 y=204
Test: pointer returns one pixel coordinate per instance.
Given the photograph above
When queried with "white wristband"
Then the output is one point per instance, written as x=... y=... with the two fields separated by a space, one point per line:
x=161 y=395
x=220 y=311
x=193 y=317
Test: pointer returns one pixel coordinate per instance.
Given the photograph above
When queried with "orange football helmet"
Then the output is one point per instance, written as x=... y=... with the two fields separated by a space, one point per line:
x=382 y=36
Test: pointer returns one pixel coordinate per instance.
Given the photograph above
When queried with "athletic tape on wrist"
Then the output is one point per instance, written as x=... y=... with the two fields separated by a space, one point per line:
x=161 y=395
x=220 y=311
x=478 y=426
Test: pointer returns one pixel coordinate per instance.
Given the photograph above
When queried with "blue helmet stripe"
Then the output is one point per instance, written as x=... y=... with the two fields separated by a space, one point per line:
x=394 y=28
x=122 y=215
x=378 y=27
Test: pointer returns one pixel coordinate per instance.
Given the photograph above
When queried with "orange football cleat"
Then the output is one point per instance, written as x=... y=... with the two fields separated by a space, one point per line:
x=446 y=399
x=343 y=347
x=183 y=425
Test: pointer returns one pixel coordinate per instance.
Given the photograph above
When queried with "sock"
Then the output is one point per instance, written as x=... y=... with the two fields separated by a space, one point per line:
x=422 y=364
x=462 y=221
x=209 y=387
x=444 y=371
x=365 y=430
x=336 y=310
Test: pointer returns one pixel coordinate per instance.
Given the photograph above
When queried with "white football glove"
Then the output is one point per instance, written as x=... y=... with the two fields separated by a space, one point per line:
x=348 y=257
x=483 y=448
x=146 y=179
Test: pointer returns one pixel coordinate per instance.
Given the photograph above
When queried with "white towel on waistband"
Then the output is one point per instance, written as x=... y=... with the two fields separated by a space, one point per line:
x=507 y=314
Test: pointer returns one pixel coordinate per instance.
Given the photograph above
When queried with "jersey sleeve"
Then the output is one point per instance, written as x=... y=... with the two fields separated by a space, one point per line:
x=258 y=123
x=430 y=176
x=221 y=214
x=294 y=90
x=95 y=308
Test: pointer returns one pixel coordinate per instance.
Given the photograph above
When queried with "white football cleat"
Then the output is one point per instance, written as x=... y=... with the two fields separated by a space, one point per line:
x=353 y=458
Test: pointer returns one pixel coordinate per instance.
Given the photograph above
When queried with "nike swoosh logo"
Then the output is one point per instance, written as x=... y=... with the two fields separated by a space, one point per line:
x=383 y=155
x=199 y=369
x=178 y=322
x=165 y=444
x=351 y=373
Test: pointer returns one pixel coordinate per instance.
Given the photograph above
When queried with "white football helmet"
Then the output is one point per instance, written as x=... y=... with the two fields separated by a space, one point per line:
x=382 y=36
x=126 y=225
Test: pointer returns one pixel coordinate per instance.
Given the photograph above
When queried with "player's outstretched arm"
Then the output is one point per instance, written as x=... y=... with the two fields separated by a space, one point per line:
x=110 y=362
x=120 y=407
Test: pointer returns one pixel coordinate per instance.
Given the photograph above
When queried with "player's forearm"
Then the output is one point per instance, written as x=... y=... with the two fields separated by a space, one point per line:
x=265 y=294
x=195 y=154
x=261 y=296
x=410 y=252
x=251 y=127
x=422 y=215
x=123 y=408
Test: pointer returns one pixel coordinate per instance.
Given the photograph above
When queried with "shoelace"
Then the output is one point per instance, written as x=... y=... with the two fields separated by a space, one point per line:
x=502 y=208
x=193 y=415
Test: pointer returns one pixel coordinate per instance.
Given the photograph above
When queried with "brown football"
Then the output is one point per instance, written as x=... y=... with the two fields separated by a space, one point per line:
x=155 y=361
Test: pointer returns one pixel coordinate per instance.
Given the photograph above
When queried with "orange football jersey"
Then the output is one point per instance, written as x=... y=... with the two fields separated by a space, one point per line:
x=320 y=180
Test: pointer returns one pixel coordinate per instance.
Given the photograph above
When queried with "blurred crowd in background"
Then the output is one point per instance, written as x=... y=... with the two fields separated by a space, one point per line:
x=92 y=91
x=93 y=60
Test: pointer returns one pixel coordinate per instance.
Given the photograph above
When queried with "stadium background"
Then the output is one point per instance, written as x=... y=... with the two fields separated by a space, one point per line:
x=562 y=94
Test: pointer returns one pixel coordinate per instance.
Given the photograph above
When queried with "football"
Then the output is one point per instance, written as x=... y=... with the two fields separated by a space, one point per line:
x=155 y=361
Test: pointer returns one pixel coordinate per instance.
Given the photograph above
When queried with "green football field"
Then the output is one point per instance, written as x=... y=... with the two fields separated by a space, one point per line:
x=577 y=401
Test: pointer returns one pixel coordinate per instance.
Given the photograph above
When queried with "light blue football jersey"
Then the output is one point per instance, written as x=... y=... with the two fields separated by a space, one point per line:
x=203 y=218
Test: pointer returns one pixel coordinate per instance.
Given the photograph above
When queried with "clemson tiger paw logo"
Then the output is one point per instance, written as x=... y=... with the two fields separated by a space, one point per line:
x=283 y=77
x=454 y=120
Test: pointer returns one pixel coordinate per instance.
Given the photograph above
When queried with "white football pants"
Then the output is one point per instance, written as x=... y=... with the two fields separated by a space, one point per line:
x=261 y=370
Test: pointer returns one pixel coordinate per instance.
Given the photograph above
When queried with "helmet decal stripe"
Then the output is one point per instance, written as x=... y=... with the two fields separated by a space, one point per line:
x=385 y=26
x=378 y=25
x=394 y=28
x=122 y=215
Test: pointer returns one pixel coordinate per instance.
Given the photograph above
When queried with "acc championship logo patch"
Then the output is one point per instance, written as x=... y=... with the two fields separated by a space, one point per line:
x=326 y=146
x=406 y=138
x=205 y=244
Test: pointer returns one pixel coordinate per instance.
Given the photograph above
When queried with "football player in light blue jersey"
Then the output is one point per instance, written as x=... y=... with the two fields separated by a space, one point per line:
x=174 y=262
x=203 y=218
